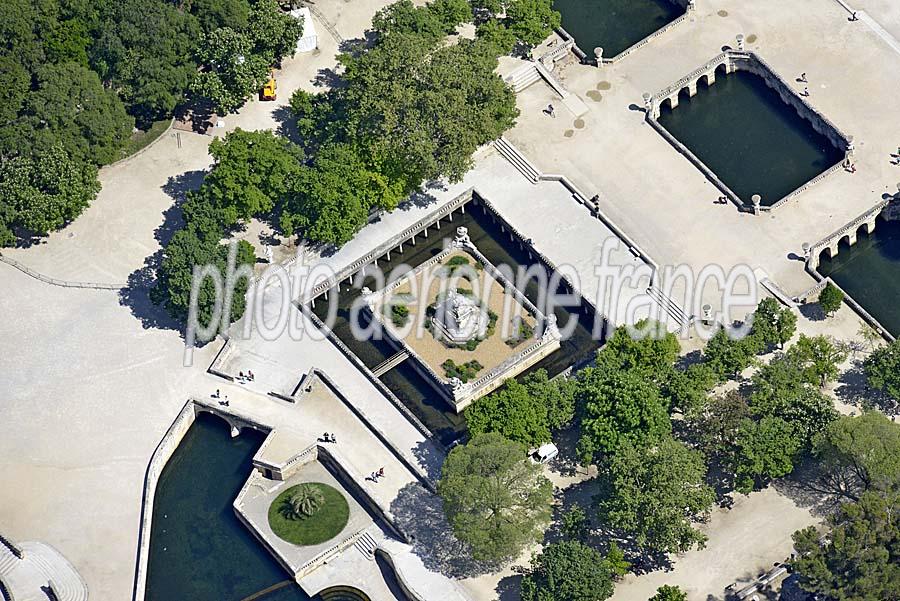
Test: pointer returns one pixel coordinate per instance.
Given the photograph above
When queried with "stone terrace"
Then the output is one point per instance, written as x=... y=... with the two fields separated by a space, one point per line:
x=660 y=198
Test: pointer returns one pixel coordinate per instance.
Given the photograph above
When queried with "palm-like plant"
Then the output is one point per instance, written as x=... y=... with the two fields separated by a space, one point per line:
x=304 y=502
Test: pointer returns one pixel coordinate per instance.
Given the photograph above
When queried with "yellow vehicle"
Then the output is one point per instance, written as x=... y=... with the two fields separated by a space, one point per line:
x=268 y=90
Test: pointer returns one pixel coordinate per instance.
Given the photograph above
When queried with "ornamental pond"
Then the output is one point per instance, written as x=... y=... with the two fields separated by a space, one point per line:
x=749 y=137
x=614 y=25
x=869 y=271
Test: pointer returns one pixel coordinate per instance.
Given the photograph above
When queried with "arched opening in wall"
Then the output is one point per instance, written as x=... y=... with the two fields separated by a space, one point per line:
x=862 y=233
x=721 y=70
x=665 y=106
x=844 y=243
x=684 y=95
x=703 y=82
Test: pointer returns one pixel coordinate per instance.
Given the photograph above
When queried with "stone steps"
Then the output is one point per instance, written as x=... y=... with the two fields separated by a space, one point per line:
x=523 y=77
x=512 y=154
x=7 y=560
x=670 y=307
x=366 y=545
x=66 y=583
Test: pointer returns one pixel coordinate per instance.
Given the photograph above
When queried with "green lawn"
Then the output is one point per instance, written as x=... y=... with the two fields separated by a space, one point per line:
x=322 y=526
x=142 y=139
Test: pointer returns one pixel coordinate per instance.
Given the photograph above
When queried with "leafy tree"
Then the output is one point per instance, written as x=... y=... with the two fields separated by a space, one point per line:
x=717 y=424
x=253 y=172
x=615 y=559
x=44 y=192
x=618 y=406
x=766 y=449
x=830 y=298
x=433 y=20
x=421 y=111
x=859 y=454
x=232 y=71
x=494 y=498
x=70 y=107
x=669 y=593
x=860 y=559
x=567 y=571
x=144 y=51
x=575 y=522
x=198 y=245
x=214 y=14
x=532 y=20
x=526 y=412
x=68 y=41
x=15 y=84
x=653 y=354
x=687 y=391
x=498 y=35
x=819 y=356
x=655 y=494
x=773 y=324
x=274 y=33
x=726 y=356
x=883 y=369
x=331 y=199
x=787 y=388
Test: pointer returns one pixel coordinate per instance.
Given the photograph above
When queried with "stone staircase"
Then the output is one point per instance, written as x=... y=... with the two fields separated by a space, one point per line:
x=65 y=583
x=7 y=560
x=674 y=312
x=523 y=77
x=366 y=545
x=518 y=160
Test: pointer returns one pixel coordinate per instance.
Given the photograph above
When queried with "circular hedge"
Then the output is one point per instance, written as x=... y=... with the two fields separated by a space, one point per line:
x=322 y=524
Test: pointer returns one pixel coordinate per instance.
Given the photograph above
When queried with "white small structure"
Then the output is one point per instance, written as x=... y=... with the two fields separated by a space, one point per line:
x=459 y=319
x=309 y=40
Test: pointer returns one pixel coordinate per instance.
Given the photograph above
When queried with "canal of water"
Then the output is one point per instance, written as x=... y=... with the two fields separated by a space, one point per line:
x=614 y=25
x=199 y=550
x=869 y=271
x=754 y=142
x=404 y=381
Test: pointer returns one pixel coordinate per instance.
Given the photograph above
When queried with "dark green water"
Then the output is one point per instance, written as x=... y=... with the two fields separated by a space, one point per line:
x=869 y=271
x=411 y=388
x=614 y=25
x=754 y=142
x=199 y=551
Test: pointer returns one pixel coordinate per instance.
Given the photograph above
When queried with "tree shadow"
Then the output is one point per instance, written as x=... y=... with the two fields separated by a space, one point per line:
x=853 y=387
x=566 y=463
x=430 y=458
x=804 y=486
x=510 y=588
x=420 y=515
x=287 y=124
x=812 y=311
x=328 y=78
x=423 y=198
x=137 y=293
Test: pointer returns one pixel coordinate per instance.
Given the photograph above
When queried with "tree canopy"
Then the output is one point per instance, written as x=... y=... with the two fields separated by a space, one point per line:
x=860 y=558
x=495 y=499
x=568 y=571
x=883 y=369
x=526 y=412
x=618 y=407
x=859 y=454
x=669 y=593
x=655 y=494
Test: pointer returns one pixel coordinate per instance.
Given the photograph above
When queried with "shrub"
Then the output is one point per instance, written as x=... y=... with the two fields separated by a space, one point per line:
x=399 y=315
x=464 y=372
